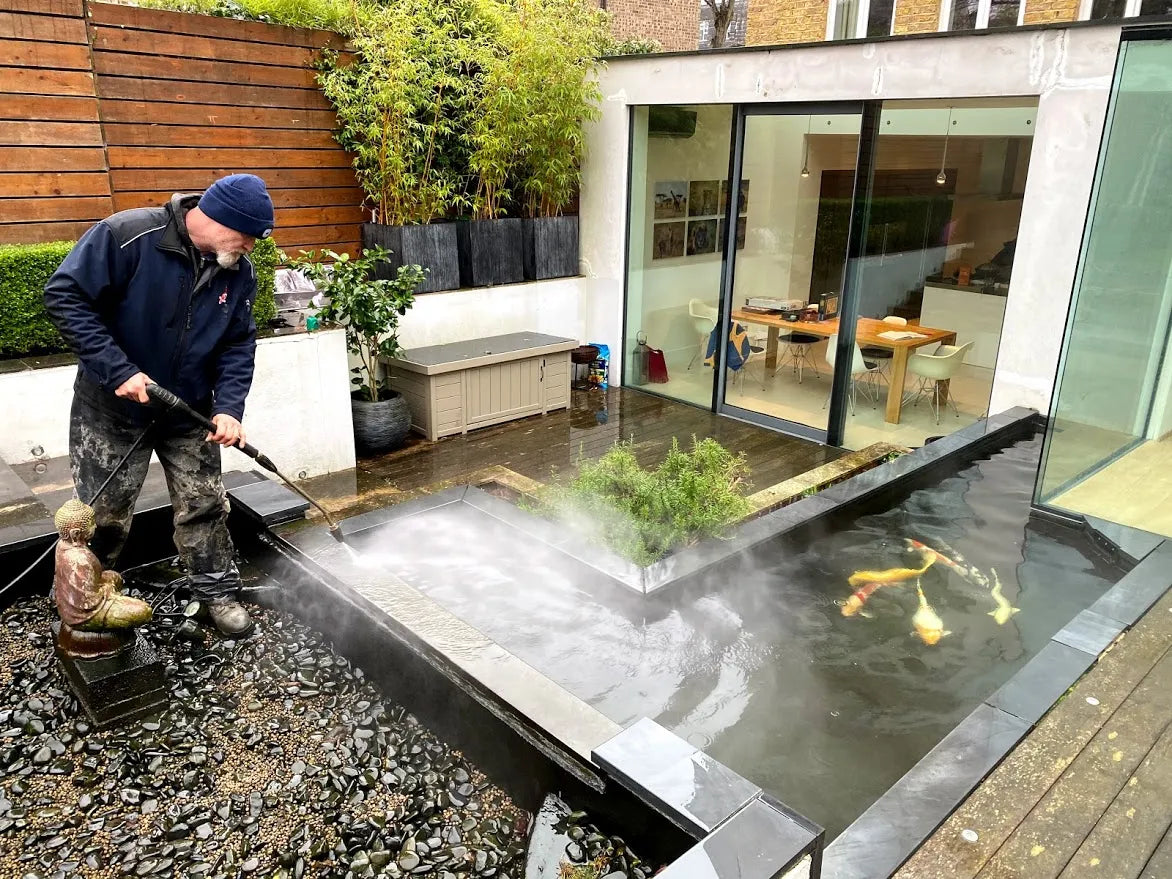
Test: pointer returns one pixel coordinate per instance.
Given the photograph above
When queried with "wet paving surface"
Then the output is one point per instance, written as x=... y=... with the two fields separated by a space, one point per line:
x=275 y=757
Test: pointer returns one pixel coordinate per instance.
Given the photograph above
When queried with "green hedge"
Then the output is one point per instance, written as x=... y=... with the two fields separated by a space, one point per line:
x=265 y=257
x=25 y=328
x=24 y=271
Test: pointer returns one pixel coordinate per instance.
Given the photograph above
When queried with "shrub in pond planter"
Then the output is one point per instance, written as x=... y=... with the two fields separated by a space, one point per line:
x=645 y=514
x=431 y=246
x=369 y=308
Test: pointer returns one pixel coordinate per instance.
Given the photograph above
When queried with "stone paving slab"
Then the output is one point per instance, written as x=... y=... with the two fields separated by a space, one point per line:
x=988 y=819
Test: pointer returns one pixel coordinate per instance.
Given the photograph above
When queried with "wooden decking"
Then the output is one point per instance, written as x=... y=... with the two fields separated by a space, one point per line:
x=540 y=446
x=1089 y=792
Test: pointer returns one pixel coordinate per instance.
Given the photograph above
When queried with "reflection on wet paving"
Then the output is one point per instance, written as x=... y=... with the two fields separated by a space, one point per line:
x=540 y=446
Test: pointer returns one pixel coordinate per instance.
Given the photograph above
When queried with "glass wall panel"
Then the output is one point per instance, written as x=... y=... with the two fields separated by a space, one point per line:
x=942 y=212
x=1004 y=13
x=679 y=166
x=1108 y=451
x=791 y=236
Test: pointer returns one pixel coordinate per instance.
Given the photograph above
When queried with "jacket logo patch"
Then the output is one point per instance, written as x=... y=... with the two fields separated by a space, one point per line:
x=223 y=296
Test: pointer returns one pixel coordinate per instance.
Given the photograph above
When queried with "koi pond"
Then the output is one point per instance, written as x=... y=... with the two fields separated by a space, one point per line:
x=821 y=664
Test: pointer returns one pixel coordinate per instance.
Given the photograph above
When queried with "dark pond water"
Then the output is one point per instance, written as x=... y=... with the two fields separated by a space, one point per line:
x=757 y=664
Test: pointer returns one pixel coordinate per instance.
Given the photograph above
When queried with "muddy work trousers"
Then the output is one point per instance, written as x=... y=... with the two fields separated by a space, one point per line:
x=99 y=437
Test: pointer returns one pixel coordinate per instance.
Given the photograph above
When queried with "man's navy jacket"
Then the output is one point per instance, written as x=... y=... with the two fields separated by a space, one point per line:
x=135 y=296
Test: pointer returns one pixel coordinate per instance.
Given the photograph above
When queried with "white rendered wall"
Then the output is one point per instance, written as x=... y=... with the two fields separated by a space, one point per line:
x=298 y=411
x=1069 y=70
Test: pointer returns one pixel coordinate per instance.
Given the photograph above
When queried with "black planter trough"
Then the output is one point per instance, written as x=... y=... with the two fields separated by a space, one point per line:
x=551 y=247
x=432 y=246
x=491 y=252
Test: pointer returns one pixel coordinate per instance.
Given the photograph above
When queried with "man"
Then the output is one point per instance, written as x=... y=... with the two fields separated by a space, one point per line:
x=165 y=295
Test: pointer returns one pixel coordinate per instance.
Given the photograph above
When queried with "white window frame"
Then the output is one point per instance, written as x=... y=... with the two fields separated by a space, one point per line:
x=983 y=8
x=861 y=24
x=1130 y=11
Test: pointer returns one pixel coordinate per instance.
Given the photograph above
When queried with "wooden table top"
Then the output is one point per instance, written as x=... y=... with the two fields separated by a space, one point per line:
x=867 y=332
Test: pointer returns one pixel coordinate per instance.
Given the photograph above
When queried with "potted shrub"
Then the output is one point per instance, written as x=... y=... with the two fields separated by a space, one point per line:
x=402 y=100
x=559 y=50
x=369 y=309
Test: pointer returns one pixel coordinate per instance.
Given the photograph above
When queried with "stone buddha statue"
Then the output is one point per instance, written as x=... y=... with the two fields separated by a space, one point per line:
x=96 y=618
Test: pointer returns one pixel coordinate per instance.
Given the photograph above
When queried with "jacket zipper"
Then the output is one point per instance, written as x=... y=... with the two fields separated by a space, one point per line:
x=200 y=282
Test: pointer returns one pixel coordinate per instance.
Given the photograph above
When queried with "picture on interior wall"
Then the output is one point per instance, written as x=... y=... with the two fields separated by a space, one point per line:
x=704 y=198
x=701 y=236
x=668 y=240
x=671 y=199
x=740 y=233
x=743 y=204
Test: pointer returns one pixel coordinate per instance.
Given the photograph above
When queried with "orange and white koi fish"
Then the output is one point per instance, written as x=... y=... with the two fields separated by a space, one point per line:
x=966 y=571
x=1004 y=609
x=858 y=598
x=892 y=575
x=927 y=623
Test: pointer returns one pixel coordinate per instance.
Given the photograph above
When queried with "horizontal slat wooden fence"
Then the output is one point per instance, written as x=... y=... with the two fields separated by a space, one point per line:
x=168 y=103
x=53 y=175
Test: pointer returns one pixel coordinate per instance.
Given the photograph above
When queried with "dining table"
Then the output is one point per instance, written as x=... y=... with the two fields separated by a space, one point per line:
x=868 y=334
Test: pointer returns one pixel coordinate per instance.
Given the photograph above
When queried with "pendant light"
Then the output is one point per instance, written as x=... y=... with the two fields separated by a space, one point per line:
x=806 y=158
x=942 y=178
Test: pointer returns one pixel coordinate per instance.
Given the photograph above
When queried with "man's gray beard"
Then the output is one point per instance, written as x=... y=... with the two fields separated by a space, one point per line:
x=229 y=259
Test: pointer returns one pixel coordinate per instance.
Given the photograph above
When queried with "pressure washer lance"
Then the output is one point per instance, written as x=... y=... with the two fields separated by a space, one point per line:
x=164 y=399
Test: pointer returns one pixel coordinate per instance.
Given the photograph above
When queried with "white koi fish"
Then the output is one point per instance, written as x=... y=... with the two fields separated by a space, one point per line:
x=927 y=623
x=1004 y=609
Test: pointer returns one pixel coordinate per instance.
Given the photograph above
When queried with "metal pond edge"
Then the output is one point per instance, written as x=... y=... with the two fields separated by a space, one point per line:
x=880 y=840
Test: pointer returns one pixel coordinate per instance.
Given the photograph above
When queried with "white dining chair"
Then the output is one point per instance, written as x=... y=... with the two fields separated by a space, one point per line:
x=703 y=319
x=862 y=370
x=932 y=369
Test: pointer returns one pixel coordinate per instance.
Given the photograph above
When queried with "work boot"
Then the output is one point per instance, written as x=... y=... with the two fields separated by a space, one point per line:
x=230 y=617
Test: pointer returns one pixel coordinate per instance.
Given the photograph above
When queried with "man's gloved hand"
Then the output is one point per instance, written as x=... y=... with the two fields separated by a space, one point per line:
x=229 y=431
x=134 y=388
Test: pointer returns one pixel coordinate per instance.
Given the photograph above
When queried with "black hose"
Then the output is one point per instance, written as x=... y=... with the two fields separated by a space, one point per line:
x=90 y=502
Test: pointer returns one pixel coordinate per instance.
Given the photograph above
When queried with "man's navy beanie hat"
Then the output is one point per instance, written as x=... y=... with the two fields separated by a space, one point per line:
x=240 y=202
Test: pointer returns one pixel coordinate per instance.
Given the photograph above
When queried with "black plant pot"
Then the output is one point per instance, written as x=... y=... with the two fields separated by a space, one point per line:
x=432 y=246
x=491 y=252
x=551 y=247
x=382 y=426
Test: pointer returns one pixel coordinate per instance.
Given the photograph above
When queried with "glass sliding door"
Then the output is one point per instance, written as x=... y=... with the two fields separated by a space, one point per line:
x=679 y=171
x=787 y=251
x=942 y=209
x=1108 y=450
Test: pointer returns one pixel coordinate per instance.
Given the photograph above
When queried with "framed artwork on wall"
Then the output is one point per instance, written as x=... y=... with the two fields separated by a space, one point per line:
x=704 y=198
x=741 y=225
x=671 y=199
x=668 y=240
x=701 y=236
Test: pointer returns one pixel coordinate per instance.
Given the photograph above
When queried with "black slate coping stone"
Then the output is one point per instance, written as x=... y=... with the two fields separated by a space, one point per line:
x=268 y=501
x=695 y=791
x=116 y=689
x=1037 y=685
x=1134 y=544
x=383 y=515
x=1140 y=588
x=761 y=841
x=1090 y=632
x=885 y=835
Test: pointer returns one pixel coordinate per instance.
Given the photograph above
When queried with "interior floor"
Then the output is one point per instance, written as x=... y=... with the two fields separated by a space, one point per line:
x=1130 y=491
x=779 y=394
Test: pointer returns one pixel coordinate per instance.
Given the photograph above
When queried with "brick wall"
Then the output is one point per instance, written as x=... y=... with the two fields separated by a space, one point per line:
x=917 y=16
x=1045 y=11
x=772 y=22
x=674 y=23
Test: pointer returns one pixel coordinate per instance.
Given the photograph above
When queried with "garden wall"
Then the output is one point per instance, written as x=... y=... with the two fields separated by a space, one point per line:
x=106 y=107
x=298 y=411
